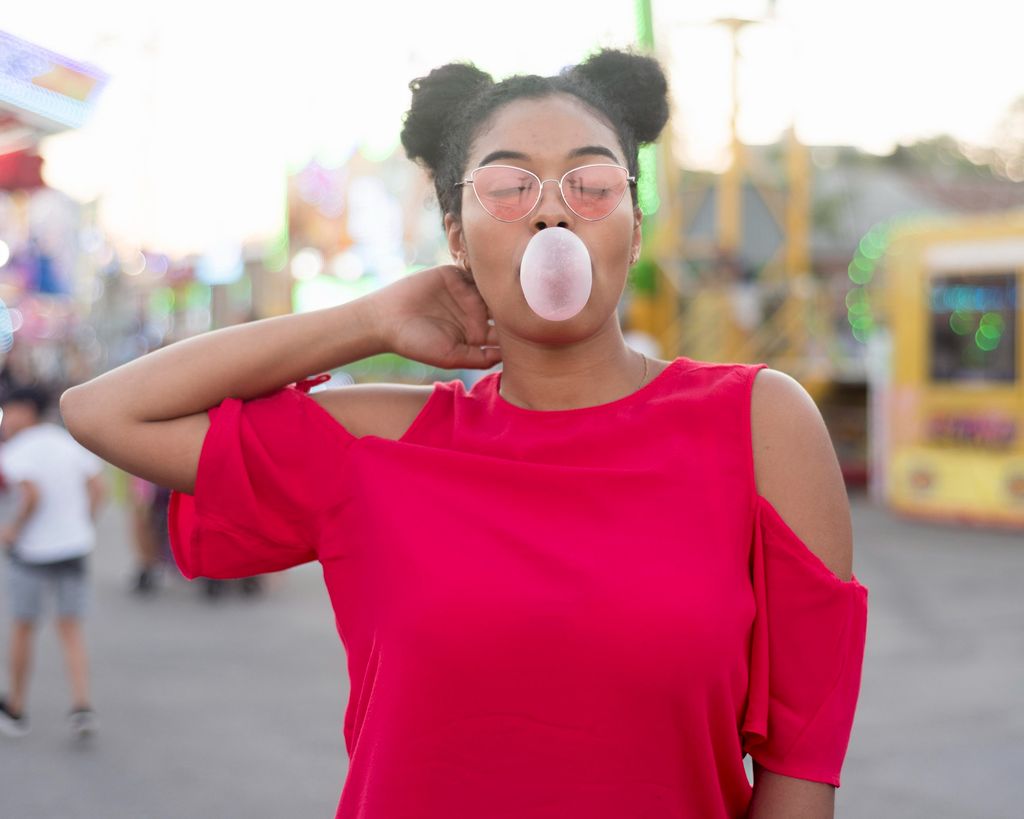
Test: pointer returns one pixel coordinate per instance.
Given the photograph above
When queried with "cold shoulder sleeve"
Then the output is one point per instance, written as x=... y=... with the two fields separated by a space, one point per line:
x=268 y=474
x=806 y=655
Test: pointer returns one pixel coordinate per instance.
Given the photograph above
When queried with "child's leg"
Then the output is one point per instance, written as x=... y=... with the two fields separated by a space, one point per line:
x=73 y=642
x=25 y=585
x=72 y=594
x=22 y=633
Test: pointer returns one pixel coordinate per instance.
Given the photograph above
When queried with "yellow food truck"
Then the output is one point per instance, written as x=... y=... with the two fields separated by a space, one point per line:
x=945 y=369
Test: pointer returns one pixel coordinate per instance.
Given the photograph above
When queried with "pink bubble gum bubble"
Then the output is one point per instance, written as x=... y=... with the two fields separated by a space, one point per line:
x=556 y=274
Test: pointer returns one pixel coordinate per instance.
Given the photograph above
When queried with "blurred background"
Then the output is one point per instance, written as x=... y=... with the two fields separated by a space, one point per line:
x=839 y=193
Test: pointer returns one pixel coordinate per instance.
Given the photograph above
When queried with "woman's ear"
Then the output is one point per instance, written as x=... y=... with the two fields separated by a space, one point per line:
x=456 y=241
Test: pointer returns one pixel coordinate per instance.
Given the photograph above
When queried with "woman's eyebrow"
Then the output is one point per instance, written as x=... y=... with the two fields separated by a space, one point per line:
x=590 y=150
x=575 y=153
x=496 y=155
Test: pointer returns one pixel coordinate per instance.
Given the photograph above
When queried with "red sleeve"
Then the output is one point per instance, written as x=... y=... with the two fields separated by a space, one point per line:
x=806 y=656
x=267 y=475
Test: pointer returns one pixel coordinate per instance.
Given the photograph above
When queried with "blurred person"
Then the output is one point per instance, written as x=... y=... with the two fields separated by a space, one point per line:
x=588 y=586
x=60 y=491
x=18 y=368
x=215 y=589
x=149 y=505
x=149 y=527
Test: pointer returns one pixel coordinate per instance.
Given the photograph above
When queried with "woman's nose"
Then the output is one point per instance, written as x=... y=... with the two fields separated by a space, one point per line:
x=551 y=209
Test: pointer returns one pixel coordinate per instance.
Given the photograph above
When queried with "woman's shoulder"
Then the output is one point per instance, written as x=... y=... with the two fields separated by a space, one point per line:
x=796 y=469
x=692 y=379
x=381 y=410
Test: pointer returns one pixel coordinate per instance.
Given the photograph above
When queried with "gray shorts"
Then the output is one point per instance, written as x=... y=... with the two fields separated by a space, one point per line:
x=29 y=583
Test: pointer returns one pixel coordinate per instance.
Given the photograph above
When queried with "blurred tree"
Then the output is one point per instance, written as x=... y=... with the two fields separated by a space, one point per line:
x=940 y=152
x=1008 y=143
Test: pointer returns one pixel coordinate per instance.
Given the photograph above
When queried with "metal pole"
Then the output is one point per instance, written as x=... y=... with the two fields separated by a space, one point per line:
x=730 y=185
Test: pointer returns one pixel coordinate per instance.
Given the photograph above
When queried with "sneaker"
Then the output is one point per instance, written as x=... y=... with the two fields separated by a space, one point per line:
x=145 y=582
x=12 y=724
x=83 y=722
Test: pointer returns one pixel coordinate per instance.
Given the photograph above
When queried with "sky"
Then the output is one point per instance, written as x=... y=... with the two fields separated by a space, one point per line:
x=210 y=103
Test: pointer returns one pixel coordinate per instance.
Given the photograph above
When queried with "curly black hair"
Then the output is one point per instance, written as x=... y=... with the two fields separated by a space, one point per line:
x=450 y=104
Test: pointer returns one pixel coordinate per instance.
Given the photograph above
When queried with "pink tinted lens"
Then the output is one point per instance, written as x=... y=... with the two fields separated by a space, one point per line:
x=505 y=193
x=594 y=191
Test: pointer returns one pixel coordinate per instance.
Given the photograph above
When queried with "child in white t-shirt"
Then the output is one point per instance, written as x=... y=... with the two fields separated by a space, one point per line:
x=60 y=488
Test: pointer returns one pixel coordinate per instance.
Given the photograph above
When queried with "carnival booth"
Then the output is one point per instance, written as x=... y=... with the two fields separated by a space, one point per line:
x=41 y=229
x=948 y=391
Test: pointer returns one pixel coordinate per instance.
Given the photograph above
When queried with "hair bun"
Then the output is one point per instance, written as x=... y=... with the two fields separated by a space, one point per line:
x=435 y=100
x=635 y=84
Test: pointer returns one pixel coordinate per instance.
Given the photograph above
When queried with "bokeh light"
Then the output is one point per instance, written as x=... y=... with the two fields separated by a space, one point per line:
x=134 y=263
x=861 y=270
x=961 y=322
x=307 y=264
x=6 y=329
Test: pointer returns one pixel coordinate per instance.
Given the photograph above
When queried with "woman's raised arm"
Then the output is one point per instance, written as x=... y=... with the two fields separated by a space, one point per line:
x=149 y=416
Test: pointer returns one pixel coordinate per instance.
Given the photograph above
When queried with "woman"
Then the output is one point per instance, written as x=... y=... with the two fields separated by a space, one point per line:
x=587 y=587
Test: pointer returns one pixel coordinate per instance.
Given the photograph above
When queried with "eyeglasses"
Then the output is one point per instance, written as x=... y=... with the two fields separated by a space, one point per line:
x=509 y=194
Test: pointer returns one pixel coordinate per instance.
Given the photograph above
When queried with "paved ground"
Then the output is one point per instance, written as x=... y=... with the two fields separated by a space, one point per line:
x=235 y=709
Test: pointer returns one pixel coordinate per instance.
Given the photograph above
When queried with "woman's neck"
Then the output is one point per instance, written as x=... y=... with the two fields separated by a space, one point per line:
x=597 y=371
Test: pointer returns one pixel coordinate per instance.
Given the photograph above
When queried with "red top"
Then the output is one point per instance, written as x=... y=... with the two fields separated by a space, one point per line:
x=587 y=612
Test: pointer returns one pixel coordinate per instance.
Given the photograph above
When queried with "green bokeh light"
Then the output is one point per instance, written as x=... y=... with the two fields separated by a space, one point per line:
x=961 y=323
x=857 y=295
x=990 y=331
x=275 y=256
x=327 y=291
x=197 y=295
x=869 y=249
x=161 y=301
x=984 y=342
x=994 y=320
x=857 y=273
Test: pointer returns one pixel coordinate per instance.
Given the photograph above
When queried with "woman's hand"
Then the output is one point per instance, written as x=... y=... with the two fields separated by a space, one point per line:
x=437 y=317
